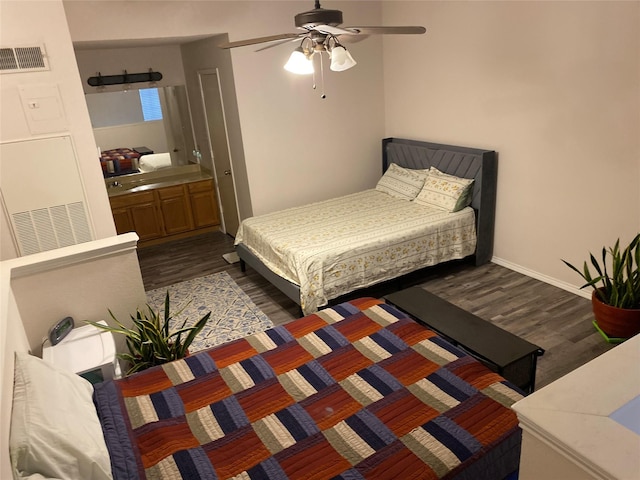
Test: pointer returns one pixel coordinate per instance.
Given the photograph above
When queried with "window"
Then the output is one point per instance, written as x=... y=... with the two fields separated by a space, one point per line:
x=150 y=101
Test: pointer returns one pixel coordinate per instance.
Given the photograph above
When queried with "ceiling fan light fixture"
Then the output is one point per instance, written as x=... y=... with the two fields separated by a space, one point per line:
x=299 y=63
x=341 y=59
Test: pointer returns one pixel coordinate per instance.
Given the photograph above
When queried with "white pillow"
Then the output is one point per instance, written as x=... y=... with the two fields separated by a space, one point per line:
x=401 y=182
x=445 y=191
x=154 y=161
x=55 y=431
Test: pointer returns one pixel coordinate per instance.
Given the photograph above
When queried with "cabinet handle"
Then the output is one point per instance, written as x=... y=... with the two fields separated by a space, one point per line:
x=227 y=172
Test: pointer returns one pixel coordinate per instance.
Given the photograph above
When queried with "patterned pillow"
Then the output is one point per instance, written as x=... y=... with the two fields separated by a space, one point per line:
x=401 y=182
x=444 y=191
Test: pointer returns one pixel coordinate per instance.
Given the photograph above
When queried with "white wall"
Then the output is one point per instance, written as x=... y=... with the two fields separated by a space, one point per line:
x=301 y=148
x=554 y=88
x=47 y=24
x=147 y=134
x=81 y=281
x=165 y=59
x=298 y=148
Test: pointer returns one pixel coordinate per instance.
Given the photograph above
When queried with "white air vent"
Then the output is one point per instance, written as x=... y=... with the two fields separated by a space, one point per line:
x=48 y=228
x=23 y=59
x=43 y=195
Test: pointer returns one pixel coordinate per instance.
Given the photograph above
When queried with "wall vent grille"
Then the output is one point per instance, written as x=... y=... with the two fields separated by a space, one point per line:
x=23 y=59
x=52 y=227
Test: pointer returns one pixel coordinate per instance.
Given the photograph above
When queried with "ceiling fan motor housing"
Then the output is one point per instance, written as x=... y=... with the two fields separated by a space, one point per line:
x=318 y=16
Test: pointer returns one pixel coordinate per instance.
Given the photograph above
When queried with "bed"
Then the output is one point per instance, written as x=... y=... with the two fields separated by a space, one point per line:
x=125 y=160
x=119 y=161
x=355 y=391
x=323 y=251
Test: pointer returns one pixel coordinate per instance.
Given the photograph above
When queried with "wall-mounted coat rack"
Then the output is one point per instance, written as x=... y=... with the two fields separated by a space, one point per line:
x=124 y=78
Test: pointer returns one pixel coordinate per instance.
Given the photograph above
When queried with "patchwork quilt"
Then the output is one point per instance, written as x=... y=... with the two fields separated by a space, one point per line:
x=122 y=161
x=356 y=391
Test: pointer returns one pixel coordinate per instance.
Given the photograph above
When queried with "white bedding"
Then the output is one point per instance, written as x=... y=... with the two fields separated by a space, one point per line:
x=337 y=246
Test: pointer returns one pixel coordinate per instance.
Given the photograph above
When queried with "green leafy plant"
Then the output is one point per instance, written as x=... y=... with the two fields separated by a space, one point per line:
x=619 y=286
x=150 y=340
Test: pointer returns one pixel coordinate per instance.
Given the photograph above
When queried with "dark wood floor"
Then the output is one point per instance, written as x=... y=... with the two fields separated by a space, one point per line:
x=547 y=316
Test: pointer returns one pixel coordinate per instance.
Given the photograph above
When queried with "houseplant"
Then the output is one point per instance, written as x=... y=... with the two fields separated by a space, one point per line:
x=151 y=341
x=616 y=289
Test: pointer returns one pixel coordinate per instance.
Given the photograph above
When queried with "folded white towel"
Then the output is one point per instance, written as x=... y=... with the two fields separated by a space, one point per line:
x=154 y=161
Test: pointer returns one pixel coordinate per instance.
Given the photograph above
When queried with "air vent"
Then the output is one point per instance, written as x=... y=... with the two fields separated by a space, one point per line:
x=53 y=227
x=23 y=59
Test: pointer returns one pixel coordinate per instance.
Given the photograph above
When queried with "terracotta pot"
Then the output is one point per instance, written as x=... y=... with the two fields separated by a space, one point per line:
x=615 y=322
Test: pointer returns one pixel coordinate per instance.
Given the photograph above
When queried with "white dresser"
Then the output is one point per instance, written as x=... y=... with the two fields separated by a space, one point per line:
x=586 y=424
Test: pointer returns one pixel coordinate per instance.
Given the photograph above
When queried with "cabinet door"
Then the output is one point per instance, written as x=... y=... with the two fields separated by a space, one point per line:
x=123 y=220
x=175 y=208
x=203 y=204
x=146 y=221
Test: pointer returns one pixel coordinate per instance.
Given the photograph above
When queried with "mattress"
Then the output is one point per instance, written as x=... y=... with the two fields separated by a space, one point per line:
x=357 y=391
x=337 y=246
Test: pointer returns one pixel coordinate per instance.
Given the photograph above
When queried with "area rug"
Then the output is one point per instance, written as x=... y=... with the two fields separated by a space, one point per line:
x=233 y=314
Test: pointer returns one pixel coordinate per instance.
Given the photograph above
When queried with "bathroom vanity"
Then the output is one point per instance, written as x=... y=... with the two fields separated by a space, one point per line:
x=164 y=205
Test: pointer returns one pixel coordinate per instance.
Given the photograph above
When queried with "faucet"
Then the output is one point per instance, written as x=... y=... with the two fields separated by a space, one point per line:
x=116 y=184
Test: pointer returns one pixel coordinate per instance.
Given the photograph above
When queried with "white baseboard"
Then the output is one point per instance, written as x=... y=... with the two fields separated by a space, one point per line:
x=543 y=278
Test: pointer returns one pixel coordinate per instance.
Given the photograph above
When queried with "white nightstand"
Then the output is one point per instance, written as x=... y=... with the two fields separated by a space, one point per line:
x=87 y=351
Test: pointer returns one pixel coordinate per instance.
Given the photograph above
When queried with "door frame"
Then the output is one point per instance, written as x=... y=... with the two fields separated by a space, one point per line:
x=216 y=71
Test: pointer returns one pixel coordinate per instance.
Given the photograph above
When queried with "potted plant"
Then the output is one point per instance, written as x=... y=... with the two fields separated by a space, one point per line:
x=150 y=340
x=616 y=289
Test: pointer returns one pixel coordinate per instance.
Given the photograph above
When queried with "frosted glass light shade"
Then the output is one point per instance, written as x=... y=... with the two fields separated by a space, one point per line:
x=341 y=59
x=299 y=63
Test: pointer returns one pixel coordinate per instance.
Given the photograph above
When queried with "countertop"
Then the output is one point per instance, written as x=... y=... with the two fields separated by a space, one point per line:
x=588 y=415
x=140 y=182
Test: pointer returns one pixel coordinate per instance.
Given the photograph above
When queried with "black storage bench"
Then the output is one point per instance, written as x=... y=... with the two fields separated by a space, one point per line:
x=503 y=352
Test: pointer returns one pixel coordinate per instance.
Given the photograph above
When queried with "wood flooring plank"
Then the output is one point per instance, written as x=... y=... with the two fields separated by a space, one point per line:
x=547 y=316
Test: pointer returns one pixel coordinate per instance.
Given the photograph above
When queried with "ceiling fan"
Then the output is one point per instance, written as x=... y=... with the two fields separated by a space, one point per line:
x=321 y=33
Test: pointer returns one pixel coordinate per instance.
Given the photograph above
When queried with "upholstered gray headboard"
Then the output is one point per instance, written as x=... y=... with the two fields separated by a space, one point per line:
x=481 y=165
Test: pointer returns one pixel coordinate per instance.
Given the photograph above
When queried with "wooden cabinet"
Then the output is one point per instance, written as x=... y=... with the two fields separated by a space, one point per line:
x=175 y=209
x=203 y=204
x=169 y=212
x=123 y=220
x=137 y=212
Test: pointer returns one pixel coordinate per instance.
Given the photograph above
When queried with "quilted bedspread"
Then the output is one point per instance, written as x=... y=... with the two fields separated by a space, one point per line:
x=337 y=246
x=356 y=391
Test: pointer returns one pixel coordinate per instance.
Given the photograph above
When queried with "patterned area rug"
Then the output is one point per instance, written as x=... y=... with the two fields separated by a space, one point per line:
x=233 y=314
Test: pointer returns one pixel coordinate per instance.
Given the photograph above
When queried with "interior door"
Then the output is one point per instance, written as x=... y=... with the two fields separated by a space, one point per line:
x=219 y=148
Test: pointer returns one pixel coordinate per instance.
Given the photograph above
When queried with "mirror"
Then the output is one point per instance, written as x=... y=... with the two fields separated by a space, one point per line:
x=157 y=119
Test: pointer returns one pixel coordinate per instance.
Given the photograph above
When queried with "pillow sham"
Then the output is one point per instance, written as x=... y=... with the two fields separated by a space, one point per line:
x=401 y=182
x=55 y=431
x=445 y=191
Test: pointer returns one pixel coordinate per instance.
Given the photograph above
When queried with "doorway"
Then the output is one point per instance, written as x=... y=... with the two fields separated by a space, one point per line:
x=218 y=147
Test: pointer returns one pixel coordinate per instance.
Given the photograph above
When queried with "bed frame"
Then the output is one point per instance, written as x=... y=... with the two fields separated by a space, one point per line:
x=481 y=165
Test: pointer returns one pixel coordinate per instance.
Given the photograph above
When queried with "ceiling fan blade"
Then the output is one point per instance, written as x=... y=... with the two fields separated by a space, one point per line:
x=286 y=40
x=334 y=30
x=350 y=39
x=387 y=30
x=253 y=41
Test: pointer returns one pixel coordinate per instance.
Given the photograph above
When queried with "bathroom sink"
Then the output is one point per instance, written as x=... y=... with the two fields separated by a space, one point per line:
x=140 y=182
